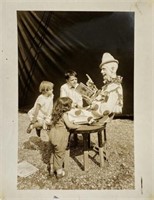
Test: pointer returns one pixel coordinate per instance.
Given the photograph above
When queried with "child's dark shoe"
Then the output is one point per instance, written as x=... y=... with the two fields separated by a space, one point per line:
x=38 y=132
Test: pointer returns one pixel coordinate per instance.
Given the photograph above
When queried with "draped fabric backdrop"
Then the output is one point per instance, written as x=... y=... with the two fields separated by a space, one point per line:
x=49 y=43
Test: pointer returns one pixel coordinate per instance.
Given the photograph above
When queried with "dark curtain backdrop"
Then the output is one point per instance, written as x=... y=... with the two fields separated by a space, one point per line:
x=49 y=43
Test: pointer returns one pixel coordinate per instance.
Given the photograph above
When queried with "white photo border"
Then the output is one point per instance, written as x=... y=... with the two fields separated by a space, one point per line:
x=142 y=98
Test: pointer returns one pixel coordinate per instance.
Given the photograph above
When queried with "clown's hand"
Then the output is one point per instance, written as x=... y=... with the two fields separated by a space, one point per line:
x=90 y=81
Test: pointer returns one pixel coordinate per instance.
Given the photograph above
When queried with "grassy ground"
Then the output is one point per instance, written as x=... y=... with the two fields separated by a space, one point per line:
x=118 y=172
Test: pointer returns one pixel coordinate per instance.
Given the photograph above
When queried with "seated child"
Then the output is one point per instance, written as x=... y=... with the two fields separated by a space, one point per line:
x=40 y=114
x=69 y=89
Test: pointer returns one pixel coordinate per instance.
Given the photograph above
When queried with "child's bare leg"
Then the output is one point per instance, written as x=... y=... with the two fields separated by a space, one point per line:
x=36 y=125
x=51 y=171
x=50 y=166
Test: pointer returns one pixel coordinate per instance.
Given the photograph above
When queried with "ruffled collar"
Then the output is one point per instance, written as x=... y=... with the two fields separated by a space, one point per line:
x=118 y=79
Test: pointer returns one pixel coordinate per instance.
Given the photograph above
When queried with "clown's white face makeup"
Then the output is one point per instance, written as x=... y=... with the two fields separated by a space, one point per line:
x=72 y=81
x=106 y=73
x=109 y=70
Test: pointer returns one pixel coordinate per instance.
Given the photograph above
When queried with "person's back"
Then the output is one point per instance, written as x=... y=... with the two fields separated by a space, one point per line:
x=59 y=134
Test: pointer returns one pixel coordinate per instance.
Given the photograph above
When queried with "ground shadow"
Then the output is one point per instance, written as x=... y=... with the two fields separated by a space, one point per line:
x=76 y=151
x=35 y=143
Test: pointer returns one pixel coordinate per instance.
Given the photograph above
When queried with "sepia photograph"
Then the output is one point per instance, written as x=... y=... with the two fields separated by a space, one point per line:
x=55 y=52
x=75 y=121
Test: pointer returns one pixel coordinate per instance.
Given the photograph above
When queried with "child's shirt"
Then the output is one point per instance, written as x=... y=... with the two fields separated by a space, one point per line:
x=67 y=91
x=46 y=104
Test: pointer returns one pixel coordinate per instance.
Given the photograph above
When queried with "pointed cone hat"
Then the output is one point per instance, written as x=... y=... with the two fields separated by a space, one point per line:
x=107 y=58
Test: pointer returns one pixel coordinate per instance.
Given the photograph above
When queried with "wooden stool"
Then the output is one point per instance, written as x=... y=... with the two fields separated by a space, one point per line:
x=86 y=130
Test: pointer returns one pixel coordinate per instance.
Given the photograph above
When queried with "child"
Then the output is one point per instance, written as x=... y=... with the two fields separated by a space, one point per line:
x=40 y=114
x=69 y=89
x=59 y=134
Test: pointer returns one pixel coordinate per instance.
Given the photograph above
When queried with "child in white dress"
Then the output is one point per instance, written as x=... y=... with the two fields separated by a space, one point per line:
x=40 y=114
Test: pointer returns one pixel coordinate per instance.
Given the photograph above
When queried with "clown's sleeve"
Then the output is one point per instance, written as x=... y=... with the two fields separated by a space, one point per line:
x=113 y=101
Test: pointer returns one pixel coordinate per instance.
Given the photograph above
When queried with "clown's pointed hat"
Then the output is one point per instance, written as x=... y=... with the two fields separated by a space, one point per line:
x=107 y=58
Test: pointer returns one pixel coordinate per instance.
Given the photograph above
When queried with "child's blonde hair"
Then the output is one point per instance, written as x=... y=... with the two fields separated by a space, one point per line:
x=45 y=86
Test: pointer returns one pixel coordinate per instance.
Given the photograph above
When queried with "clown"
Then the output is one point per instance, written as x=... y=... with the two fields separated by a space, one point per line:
x=109 y=100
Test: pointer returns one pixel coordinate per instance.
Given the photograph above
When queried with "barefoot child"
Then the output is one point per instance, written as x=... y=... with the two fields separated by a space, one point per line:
x=59 y=134
x=40 y=114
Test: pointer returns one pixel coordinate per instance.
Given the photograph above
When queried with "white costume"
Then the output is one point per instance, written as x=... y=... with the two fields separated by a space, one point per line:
x=110 y=99
x=44 y=114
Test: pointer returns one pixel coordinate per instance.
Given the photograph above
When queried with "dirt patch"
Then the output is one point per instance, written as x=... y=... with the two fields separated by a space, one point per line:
x=117 y=174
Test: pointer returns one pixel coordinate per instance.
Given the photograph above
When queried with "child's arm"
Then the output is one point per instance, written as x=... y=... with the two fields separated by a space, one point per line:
x=63 y=92
x=38 y=107
x=69 y=124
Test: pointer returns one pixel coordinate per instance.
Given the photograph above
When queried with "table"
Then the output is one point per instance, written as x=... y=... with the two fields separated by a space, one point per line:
x=86 y=130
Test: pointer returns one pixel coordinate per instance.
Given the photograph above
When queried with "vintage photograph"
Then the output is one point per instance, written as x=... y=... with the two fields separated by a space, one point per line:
x=75 y=100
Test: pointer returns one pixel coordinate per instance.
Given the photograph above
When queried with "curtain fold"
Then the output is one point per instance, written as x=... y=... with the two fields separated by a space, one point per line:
x=51 y=42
